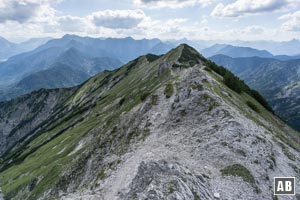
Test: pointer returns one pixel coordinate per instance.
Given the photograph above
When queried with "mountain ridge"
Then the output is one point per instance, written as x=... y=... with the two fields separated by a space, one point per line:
x=160 y=126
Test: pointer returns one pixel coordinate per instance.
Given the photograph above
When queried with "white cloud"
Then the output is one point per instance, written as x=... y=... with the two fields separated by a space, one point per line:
x=167 y=29
x=243 y=7
x=39 y=18
x=23 y=11
x=70 y=23
x=205 y=32
x=17 y=11
x=254 y=30
x=174 y=4
x=117 y=19
x=292 y=21
x=107 y=23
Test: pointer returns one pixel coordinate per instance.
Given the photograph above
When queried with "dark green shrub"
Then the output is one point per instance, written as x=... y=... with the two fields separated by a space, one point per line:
x=121 y=102
x=101 y=173
x=207 y=69
x=144 y=96
x=152 y=57
x=261 y=100
x=154 y=99
x=196 y=197
x=275 y=198
x=197 y=86
x=241 y=171
x=169 y=90
x=237 y=85
x=219 y=70
x=180 y=66
x=170 y=189
x=253 y=106
x=206 y=96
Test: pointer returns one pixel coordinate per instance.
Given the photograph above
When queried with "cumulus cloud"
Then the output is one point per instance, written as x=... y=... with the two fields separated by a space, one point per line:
x=17 y=11
x=39 y=18
x=157 y=4
x=292 y=21
x=242 y=7
x=254 y=30
x=22 y=11
x=117 y=19
x=70 y=23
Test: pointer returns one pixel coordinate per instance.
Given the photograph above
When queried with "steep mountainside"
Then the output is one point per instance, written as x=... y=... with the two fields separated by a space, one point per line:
x=59 y=76
x=160 y=127
x=67 y=69
x=20 y=117
x=277 y=80
x=235 y=51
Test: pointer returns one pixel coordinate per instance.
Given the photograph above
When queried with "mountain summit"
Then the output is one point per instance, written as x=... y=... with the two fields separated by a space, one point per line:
x=175 y=126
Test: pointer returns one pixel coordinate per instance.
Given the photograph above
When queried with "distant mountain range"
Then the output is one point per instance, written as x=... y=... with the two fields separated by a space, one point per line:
x=69 y=61
x=69 y=70
x=8 y=49
x=278 y=81
x=124 y=49
x=242 y=52
x=51 y=68
x=291 y=47
x=234 y=51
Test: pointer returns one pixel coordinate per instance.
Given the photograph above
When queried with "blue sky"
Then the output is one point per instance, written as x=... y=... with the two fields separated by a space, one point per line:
x=168 y=19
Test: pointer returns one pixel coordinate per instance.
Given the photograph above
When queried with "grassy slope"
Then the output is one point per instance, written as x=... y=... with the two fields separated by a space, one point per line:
x=98 y=100
x=46 y=162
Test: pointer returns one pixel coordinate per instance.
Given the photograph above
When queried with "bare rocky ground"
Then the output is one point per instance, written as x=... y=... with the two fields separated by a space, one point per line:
x=189 y=138
x=193 y=136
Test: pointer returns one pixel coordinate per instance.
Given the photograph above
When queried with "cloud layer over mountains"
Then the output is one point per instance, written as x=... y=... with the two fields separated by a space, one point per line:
x=171 y=19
